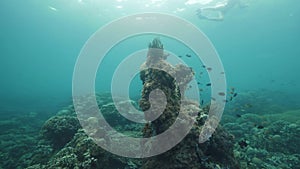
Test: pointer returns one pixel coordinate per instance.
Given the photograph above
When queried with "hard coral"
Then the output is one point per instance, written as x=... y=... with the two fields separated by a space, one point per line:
x=59 y=130
x=157 y=73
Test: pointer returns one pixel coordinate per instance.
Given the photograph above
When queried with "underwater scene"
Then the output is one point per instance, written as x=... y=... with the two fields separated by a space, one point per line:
x=150 y=84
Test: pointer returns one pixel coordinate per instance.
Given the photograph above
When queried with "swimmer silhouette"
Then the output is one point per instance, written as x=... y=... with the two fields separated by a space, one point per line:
x=219 y=9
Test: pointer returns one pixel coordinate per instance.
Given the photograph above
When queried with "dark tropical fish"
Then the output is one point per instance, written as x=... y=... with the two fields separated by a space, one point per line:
x=235 y=94
x=208 y=84
x=198 y=83
x=180 y=56
x=221 y=93
x=203 y=66
x=212 y=98
x=260 y=127
x=238 y=115
x=231 y=98
x=243 y=143
x=202 y=102
x=188 y=55
x=222 y=73
x=209 y=69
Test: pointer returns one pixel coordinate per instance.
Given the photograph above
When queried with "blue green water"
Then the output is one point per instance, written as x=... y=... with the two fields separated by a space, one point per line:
x=40 y=41
x=258 y=46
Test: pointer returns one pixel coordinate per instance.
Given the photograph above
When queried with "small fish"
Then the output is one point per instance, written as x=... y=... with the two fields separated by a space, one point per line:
x=209 y=69
x=260 y=127
x=243 y=143
x=221 y=93
x=238 y=115
x=230 y=98
x=225 y=101
x=180 y=56
x=222 y=73
x=232 y=88
x=212 y=98
x=52 y=8
x=198 y=83
x=188 y=55
x=203 y=66
x=201 y=90
x=235 y=94
x=202 y=102
x=208 y=84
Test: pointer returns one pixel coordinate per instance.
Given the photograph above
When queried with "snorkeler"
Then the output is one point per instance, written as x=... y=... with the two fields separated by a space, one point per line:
x=218 y=11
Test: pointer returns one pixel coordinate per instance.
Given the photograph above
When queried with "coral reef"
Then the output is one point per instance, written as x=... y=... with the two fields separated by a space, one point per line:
x=215 y=153
x=82 y=152
x=261 y=135
x=59 y=130
x=271 y=140
x=69 y=147
x=77 y=150
x=18 y=139
x=156 y=73
x=274 y=145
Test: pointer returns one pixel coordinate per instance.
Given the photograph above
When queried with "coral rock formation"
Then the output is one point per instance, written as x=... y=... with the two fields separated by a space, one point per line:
x=157 y=73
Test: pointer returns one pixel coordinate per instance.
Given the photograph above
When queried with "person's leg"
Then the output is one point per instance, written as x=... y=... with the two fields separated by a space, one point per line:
x=213 y=8
x=220 y=16
x=202 y=15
